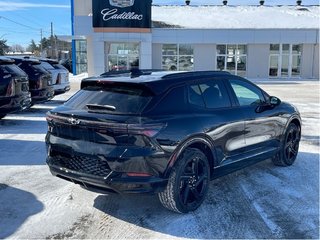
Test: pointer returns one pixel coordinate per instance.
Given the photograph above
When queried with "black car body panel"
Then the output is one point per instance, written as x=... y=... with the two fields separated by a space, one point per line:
x=40 y=80
x=97 y=142
x=14 y=89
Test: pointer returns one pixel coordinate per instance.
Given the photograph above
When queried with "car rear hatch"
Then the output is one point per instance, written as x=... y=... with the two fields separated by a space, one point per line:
x=14 y=80
x=104 y=122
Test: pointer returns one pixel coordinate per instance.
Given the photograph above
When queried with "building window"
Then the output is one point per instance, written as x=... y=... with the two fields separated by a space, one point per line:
x=285 y=60
x=232 y=58
x=122 y=56
x=177 y=57
x=81 y=56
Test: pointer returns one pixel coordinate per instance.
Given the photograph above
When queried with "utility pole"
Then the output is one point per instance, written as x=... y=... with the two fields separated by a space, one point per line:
x=41 y=42
x=51 y=40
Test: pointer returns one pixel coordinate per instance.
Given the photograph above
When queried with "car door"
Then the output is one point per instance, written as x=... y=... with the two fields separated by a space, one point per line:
x=262 y=127
x=211 y=104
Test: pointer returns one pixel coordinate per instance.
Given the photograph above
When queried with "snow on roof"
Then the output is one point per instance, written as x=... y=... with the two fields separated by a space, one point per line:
x=236 y=17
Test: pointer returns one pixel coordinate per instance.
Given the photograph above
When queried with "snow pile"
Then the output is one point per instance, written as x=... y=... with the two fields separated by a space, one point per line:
x=237 y=17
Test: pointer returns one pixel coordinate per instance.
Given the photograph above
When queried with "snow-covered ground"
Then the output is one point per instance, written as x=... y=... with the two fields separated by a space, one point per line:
x=261 y=201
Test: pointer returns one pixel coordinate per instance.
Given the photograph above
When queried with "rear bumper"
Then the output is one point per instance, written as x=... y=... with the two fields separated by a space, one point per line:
x=15 y=103
x=61 y=88
x=113 y=182
x=42 y=95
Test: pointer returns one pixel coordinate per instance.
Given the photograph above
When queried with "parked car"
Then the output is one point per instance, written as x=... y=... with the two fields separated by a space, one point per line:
x=40 y=80
x=59 y=74
x=67 y=63
x=14 y=88
x=168 y=133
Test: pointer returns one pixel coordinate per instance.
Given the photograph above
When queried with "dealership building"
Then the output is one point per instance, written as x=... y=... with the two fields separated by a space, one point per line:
x=257 y=42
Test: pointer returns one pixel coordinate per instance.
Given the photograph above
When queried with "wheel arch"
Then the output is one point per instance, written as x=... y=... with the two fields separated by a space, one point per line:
x=201 y=143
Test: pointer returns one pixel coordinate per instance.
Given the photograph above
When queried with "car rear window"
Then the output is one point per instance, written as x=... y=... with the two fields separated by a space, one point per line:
x=47 y=66
x=59 y=66
x=122 y=99
x=38 y=68
x=12 y=69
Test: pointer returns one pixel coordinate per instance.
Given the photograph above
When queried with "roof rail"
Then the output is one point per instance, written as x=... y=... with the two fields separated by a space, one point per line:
x=133 y=73
x=195 y=73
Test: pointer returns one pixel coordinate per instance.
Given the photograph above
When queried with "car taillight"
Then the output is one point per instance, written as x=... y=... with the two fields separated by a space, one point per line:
x=58 y=79
x=149 y=130
x=134 y=174
x=11 y=90
x=39 y=84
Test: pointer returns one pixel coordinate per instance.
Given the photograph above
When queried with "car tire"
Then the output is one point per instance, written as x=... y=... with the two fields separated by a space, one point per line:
x=2 y=116
x=188 y=182
x=290 y=146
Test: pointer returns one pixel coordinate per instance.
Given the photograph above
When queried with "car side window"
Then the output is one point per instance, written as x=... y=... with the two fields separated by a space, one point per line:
x=210 y=94
x=173 y=102
x=246 y=93
x=195 y=95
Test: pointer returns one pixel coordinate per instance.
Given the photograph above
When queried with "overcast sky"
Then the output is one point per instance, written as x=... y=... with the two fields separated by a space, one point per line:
x=21 y=20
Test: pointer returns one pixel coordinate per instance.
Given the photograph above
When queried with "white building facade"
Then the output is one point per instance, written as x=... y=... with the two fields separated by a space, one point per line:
x=254 y=42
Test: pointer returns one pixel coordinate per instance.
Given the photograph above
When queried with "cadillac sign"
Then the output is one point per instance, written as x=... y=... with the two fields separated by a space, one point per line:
x=121 y=13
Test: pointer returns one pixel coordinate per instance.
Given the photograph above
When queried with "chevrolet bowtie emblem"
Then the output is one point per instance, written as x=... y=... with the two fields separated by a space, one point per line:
x=121 y=3
x=74 y=121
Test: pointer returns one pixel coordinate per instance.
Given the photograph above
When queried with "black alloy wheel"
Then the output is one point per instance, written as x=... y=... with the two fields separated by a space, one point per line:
x=289 y=152
x=188 y=183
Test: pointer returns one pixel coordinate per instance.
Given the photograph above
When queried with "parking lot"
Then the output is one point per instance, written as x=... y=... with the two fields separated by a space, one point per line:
x=261 y=201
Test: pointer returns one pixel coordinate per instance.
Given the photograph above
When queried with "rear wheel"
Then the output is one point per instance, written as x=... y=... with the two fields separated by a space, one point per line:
x=289 y=150
x=188 y=182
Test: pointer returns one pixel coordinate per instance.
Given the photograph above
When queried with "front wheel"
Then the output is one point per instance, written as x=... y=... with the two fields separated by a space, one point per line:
x=188 y=182
x=290 y=147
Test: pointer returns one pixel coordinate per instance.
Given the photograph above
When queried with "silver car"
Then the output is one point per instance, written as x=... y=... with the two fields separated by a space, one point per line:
x=60 y=75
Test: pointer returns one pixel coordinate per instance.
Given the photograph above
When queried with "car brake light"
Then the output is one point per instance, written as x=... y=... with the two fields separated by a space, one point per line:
x=11 y=91
x=133 y=174
x=58 y=79
x=149 y=130
x=39 y=84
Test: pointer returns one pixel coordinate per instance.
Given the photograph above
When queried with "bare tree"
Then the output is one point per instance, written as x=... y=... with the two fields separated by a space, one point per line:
x=17 y=48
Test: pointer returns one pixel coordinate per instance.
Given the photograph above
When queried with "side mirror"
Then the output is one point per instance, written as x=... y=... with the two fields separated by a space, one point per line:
x=274 y=101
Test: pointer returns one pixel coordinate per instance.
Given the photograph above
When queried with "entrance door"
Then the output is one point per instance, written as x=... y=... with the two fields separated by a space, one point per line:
x=122 y=56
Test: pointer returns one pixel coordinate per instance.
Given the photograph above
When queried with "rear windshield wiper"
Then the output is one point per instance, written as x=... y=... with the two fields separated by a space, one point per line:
x=98 y=107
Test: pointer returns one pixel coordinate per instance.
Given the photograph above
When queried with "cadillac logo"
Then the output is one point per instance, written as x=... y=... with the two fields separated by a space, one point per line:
x=121 y=3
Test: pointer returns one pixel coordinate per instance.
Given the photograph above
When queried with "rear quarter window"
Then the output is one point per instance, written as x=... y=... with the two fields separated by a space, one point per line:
x=124 y=100
x=173 y=102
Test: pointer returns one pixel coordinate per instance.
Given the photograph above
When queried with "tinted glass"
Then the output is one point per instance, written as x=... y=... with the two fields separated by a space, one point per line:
x=185 y=49
x=274 y=48
x=195 y=95
x=221 y=49
x=169 y=49
x=12 y=69
x=47 y=66
x=123 y=99
x=59 y=66
x=173 y=102
x=246 y=93
x=214 y=94
x=296 y=49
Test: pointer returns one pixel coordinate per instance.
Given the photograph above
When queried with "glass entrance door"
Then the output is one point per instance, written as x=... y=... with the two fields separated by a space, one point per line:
x=122 y=56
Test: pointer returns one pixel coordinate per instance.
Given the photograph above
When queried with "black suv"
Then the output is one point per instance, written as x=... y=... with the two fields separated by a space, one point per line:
x=167 y=133
x=40 y=80
x=14 y=89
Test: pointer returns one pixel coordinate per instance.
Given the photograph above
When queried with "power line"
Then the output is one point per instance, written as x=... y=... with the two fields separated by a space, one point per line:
x=21 y=24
